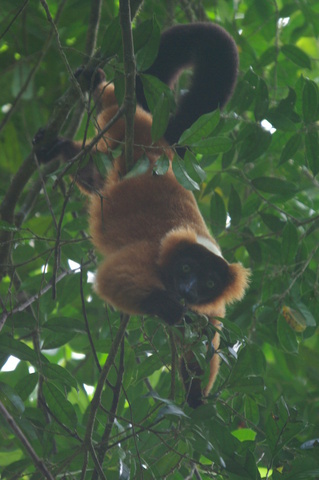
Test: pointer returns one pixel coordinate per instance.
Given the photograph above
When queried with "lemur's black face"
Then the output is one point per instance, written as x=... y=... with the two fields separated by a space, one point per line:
x=197 y=275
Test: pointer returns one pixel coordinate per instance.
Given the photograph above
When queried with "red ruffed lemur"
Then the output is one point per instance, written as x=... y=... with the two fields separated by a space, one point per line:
x=160 y=258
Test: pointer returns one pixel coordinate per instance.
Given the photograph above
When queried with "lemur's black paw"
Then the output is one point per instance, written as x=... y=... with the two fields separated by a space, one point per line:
x=45 y=148
x=89 y=78
x=38 y=137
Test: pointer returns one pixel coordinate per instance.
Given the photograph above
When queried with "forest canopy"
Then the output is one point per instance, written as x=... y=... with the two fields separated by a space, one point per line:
x=79 y=397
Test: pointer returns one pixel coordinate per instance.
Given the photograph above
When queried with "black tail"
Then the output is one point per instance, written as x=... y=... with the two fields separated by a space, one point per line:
x=212 y=54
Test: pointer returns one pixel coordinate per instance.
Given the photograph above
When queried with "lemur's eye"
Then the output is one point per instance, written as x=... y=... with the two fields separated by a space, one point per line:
x=186 y=268
x=210 y=284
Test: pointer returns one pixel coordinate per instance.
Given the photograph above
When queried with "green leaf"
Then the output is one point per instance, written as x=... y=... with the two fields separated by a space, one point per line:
x=153 y=89
x=262 y=100
x=10 y=346
x=310 y=320
x=255 y=144
x=11 y=399
x=251 y=410
x=244 y=434
x=312 y=151
x=146 y=41
x=274 y=185
x=268 y=56
x=286 y=336
x=281 y=121
x=234 y=206
x=289 y=244
x=59 y=405
x=274 y=223
x=161 y=166
x=212 y=146
x=200 y=129
x=160 y=117
x=58 y=374
x=141 y=166
x=290 y=148
x=26 y=385
x=103 y=163
x=296 y=55
x=250 y=385
x=193 y=166
x=112 y=39
x=182 y=176
x=218 y=213
x=310 y=101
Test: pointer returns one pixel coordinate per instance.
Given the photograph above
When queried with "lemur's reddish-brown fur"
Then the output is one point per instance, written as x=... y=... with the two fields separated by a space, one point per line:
x=138 y=223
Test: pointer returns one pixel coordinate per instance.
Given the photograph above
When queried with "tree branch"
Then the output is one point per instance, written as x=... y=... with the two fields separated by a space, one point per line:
x=95 y=404
x=130 y=72
x=40 y=465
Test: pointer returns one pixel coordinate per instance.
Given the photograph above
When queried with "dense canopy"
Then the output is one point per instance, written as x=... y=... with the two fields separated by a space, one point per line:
x=79 y=400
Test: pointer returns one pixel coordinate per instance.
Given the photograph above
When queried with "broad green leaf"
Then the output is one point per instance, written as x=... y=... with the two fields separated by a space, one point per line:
x=26 y=385
x=161 y=166
x=274 y=185
x=212 y=146
x=251 y=385
x=59 y=374
x=281 y=121
x=193 y=166
x=160 y=117
x=10 y=346
x=20 y=74
x=171 y=409
x=12 y=401
x=234 y=206
x=310 y=320
x=182 y=176
x=251 y=362
x=203 y=127
x=268 y=56
x=146 y=41
x=153 y=89
x=310 y=101
x=112 y=39
x=312 y=150
x=262 y=100
x=296 y=55
x=289 y=244
x=273 y=222
x=218 y=213
x=103 y=163
x=245 y=91
x=244 y=434
x=286 y=336
x=290 y=148
x=254 y=145
x=59 y=405
x=141 y=166
x=251 y=410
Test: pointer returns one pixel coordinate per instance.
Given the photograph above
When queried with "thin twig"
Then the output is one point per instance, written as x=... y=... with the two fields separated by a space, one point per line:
x=40 y=465
x=95 y=403
x=112 y=415
x=87 y=326
x=65 y=60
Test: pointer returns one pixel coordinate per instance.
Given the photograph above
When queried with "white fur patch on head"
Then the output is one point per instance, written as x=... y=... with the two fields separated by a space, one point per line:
x=212 y=247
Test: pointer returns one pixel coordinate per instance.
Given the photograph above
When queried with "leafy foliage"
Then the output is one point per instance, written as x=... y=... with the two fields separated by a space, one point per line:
x=80 y=386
